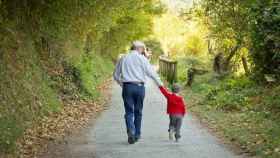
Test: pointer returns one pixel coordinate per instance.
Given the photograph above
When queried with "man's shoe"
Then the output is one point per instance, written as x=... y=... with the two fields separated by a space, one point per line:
x=137 y=139
x=131 y=140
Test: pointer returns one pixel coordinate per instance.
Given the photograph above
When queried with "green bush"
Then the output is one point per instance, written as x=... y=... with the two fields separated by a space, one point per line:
x=231 y=94
x=93 y=70
x=271 y=100
x=156 y=48
x=190 y=62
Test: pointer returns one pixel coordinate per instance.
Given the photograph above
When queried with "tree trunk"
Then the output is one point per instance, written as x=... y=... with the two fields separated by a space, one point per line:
x=217 y=65
x=191 y=73
x=210 y=49
x=245 y=65
x=231 y=55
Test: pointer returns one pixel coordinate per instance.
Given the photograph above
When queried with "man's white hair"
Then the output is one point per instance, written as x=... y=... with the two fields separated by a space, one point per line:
x=137 y=44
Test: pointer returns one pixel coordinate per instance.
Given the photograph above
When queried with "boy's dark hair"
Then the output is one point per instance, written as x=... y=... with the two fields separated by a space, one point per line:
x=176 y=88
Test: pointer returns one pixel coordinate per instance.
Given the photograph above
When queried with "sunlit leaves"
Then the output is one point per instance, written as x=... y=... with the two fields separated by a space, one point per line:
x=170 y=31
x=250 y=24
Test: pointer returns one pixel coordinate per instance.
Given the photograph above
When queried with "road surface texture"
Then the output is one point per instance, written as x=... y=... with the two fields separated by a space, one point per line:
x=106 y=137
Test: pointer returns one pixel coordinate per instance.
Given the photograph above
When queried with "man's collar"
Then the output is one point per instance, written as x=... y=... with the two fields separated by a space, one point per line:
x=134 y=51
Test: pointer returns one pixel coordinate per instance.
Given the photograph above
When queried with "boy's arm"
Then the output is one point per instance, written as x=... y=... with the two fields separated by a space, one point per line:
x=164 y=91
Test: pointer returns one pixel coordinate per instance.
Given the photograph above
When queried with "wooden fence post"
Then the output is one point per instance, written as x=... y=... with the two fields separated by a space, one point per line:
x=168 y=69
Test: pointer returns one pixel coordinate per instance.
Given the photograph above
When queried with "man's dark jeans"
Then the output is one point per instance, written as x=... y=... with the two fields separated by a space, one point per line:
x=133 y=97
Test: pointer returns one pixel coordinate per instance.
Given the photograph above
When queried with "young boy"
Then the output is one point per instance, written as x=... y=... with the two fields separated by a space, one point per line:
x=176 y=110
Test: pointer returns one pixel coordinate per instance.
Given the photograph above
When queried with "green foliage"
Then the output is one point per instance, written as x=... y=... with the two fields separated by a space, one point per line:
x=92 y=71
x=25 y=93
x=195 y=45
x=265 y=37
x=235 y=94
x=251 y=25
x=231 y=94
x=271 y=100
x=181 y=71
x=129 y=28
x=191 y=61
x=246 y=112
x=54 y=51
x=156 y=48
x=239 y=109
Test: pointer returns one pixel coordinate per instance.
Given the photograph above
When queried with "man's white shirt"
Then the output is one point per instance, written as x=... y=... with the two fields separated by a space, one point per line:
x=135 y=67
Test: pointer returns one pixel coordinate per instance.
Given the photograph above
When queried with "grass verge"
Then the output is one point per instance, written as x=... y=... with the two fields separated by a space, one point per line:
x=244 y=113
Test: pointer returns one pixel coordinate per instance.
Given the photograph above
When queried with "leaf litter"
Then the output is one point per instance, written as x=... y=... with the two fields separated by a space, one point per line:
x=74 y=116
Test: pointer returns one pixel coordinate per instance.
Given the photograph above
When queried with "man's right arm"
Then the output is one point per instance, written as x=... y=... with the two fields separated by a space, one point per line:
x=117 y=73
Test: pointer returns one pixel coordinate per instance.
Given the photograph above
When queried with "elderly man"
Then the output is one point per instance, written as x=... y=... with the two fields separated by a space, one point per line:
x=131 y=72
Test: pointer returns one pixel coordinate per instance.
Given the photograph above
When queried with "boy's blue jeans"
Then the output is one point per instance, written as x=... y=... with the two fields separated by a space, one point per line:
x=133 y=97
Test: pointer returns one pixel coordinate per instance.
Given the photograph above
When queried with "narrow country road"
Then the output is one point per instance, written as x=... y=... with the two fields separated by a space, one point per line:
x=107 y=137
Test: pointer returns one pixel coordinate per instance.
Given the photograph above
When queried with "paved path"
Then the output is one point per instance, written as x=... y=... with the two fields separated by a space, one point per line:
x=110 y=137
x=107 y=138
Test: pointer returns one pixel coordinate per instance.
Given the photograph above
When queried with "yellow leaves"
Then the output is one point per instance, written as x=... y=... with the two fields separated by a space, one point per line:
x=178 y=37
x=169 y=30
x=196 y=45
x=57 y=125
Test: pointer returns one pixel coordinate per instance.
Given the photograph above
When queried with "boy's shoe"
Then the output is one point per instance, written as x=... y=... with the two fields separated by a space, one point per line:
x=131 y=140
x=177 y=138
x=171 y=135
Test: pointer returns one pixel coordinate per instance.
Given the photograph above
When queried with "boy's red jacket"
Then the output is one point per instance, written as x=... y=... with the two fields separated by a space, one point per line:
x=175 y=103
